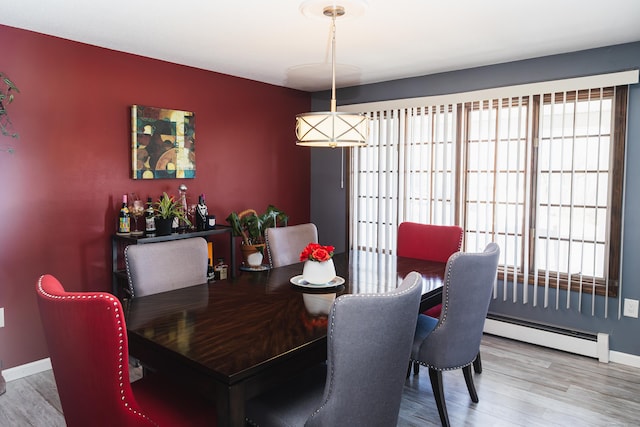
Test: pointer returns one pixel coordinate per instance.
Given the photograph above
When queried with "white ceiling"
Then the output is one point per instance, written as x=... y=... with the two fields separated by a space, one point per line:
x=272 y=41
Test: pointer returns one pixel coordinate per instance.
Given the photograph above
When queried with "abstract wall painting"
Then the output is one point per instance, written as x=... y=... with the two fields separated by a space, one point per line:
x=163 y=143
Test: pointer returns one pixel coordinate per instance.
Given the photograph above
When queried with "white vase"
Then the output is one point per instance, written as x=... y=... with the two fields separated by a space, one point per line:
x=252 y=255
x=318 y=304
x=255 y=259
x=318 y=273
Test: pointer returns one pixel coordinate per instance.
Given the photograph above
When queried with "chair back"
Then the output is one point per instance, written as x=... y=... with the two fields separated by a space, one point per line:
x=159 y=267
x=284 y=244
x=455 y=340
x=88 y=348
x=368 y=346
x=428 y=242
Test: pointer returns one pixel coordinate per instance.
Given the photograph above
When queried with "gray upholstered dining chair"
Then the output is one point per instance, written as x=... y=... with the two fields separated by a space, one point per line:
x=368 y=345
x=416 y=240
x=163 y=266
x=284 y=244
x=453 y=340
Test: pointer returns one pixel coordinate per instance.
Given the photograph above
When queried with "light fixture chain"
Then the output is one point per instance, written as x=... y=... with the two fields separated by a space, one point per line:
x=333 y=63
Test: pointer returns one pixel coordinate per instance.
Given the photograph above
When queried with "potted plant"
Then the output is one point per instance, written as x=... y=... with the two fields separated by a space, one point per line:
x=166 y=211
x=251 y=226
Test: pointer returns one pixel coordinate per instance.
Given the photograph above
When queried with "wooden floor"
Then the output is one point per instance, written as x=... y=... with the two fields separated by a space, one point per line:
x=521 y=385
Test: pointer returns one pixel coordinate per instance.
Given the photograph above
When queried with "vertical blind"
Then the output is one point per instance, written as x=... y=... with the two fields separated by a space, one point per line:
x=532 y=172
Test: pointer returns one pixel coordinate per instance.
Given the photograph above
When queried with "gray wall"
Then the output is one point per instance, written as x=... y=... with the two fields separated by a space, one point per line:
x=328 y=204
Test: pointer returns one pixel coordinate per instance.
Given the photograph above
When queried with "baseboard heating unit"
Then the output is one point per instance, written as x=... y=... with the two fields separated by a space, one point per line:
x=594 y=345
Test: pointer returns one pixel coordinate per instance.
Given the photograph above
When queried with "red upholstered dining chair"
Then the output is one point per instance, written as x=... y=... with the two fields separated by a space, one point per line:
x=429 y=242
x=432 y=243
x=87 y=340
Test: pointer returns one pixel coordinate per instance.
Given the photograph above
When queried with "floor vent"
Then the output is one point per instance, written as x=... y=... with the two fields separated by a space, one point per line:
x=578 y=342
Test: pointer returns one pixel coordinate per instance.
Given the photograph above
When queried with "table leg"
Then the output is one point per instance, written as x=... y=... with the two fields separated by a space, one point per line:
x=233 y=256
x=230 y=405
x=431 y=301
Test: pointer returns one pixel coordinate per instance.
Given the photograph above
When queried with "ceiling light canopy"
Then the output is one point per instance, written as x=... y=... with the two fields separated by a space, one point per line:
x=332 y=128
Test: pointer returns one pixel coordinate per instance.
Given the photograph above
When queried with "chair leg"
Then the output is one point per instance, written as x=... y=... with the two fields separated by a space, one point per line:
x=477 y=364
x=438 y=393
x=468 y=378
x=416 y=368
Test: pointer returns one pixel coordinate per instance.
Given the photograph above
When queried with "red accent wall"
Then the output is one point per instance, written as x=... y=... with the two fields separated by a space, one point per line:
x=61 y=189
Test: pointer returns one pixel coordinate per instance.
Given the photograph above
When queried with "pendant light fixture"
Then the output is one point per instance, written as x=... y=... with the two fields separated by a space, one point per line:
x=332 y=128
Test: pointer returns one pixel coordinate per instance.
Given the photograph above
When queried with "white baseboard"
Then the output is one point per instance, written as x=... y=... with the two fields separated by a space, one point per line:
x=598 y=349
x=625 y=359
x=26 y=369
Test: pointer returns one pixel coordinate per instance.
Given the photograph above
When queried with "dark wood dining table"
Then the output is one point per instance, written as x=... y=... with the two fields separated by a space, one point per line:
x=233 y=339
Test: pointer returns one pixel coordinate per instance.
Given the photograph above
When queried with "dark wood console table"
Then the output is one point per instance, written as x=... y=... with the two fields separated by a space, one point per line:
x=119 y=242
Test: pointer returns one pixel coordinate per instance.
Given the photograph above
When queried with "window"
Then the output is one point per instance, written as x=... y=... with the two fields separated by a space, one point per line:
x=539 y=174
x=495 y=178
x=578 y=192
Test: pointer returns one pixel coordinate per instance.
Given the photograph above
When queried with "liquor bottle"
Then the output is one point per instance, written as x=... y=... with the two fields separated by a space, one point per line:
x=220 y=270
x=149 y=219
x=124 y=219
x=210 y=272
x=201 y=214
x=182 y=224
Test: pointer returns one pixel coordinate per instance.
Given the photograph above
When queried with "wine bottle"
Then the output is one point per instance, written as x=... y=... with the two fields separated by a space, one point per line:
x=182 y=223
x=149 y=218
x=210 y=272
x=124 y=219
x=201 y=214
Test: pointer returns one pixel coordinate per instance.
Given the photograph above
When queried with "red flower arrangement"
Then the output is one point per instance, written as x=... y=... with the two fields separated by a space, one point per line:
x=310 y=323
x=317 y=252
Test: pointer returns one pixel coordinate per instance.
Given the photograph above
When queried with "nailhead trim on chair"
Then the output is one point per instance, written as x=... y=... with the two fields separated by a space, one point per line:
x=266 y=243
x=446 y=301
x=443 y=319
x=118 y=316
x=439 y=369
x=129 y=280
x=338 y=301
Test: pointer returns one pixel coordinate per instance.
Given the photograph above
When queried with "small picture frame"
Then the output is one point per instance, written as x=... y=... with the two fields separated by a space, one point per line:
x=162 y=143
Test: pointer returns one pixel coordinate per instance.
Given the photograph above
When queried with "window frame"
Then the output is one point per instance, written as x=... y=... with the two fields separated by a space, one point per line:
x=580 y=283
x=608 y=286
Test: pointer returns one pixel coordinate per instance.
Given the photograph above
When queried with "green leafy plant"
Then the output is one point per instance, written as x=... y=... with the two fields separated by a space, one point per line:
x=6 y=97
x=167 y=207
x=251 y=226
